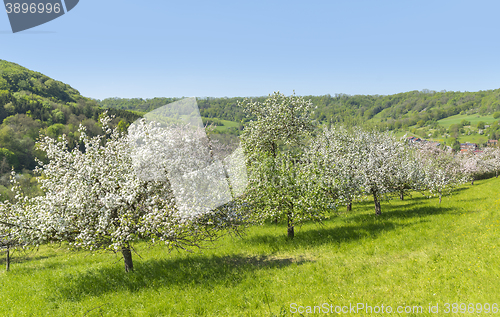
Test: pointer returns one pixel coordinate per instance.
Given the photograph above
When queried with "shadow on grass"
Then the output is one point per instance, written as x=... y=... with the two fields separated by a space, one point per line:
x=354 y=228
x=21 y=257
x=158 y=273
x=406 y=211
x=322 y=235
x=415 y=200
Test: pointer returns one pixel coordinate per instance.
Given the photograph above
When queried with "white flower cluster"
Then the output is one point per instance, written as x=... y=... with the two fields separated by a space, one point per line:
x=357 y=162
x=280 y=186
x=113 y=193
x=480 y=162
x=441 y=168
x=354 y=162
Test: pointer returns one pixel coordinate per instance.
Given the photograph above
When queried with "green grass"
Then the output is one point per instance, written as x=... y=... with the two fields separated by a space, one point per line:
x=226 y=125
x=473 y=138
x=400 y=134
x=417 y=253
x=474 y=119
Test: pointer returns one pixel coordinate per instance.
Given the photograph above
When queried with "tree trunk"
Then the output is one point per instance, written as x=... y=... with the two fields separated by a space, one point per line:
x=440 y=196
x=349 y=207
x=472 y=181
x=127 y=258
x=378 y=211
x=401 y=195
x=7 y=259
x=291 y=232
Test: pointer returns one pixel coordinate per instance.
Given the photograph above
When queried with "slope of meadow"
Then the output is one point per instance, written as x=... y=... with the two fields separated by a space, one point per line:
x=473 y=119
x=417 y=253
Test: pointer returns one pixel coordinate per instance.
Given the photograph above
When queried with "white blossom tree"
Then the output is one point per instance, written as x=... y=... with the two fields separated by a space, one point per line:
x=279 y=186
x=442 y=169
x=408 y=172
x=333 y=153
x=95 y=199
x=491 y=159
x=472 y=165
x=376 y=153
x=7 y=238
x=357 y=162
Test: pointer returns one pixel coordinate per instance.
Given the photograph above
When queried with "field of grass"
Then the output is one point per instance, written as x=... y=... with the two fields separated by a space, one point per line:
x=473 y=138
x=474 y=119
x=226 y=124
x=417 y=253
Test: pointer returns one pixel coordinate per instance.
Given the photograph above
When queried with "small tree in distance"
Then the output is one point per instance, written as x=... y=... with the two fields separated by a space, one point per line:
x=442 y=170
x=491 y=159
x=471 y=164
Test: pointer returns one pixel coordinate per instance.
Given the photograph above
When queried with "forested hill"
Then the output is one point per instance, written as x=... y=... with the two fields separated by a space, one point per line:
x=32 y=104
x=384 y=112
x=220 y=108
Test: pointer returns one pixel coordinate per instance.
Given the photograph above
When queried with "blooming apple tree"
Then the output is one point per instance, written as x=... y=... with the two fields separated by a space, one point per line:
x=491 y=159
x=279 y=185
x=95 y=199
x=378 y=163
x=442 y=169
x=408 y=173
x=7 y=238
x=333 y=152
x=356 y=162
x=472 y=164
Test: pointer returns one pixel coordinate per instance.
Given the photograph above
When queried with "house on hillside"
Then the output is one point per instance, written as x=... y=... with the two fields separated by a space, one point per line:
x=492 y=143
x=467 y=147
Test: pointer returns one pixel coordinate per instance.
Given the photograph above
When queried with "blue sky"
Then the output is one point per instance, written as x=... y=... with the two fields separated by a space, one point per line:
x=123 y=48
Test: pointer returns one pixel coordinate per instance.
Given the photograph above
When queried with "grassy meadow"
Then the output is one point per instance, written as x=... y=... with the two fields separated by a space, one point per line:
x=473 y=118
x=417 y=253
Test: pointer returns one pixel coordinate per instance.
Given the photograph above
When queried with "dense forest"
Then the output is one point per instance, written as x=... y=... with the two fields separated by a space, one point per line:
x=34 y=105
x=389 y=112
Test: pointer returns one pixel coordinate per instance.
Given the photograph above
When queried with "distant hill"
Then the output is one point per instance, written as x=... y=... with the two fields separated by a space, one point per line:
x=418 y=112
x=32 y=104
x=15 y=78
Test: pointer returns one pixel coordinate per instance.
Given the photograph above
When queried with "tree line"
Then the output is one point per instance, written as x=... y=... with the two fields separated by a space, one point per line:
x=394 y=112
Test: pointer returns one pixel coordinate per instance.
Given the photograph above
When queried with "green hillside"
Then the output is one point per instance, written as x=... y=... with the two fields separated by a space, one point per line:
x=33 y=105
x=473 y=119
x=417 y=253
x=418 y=112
